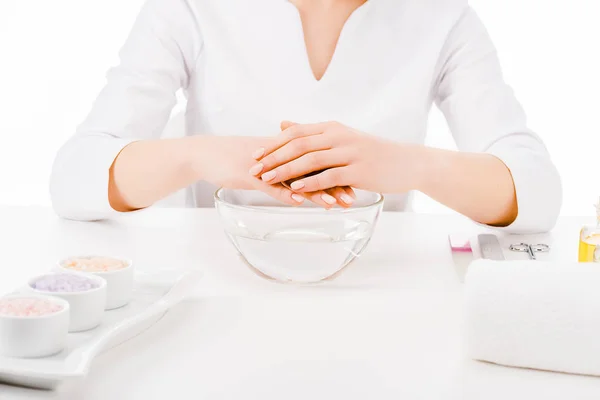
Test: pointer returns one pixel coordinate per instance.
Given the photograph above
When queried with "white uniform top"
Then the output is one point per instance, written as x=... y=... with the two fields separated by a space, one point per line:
x=243 y=67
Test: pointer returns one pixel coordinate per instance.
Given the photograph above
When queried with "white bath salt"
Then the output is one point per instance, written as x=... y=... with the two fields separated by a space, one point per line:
x=95 y=264
x=27 y=307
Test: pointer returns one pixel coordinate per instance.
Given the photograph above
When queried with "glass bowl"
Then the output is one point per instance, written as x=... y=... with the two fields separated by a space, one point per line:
x=303 y=244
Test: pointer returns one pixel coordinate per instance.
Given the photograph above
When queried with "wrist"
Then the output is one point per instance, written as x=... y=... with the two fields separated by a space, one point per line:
x=431 y=166
x=193 y=156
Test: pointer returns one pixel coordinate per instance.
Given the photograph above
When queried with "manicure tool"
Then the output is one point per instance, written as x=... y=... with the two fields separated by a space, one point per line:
x=490 y=247
x=530 y=249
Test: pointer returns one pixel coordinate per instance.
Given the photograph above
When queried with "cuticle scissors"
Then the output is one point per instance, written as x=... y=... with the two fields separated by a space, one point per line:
x=530 y=249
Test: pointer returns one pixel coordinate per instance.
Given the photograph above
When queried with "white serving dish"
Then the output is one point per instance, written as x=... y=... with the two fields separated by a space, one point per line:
x=34 y=336
x=153 y=295
x=86 y=307
x=119 y=283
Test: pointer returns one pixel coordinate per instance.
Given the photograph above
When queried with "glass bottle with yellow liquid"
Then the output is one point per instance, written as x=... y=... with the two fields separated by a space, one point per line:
x=589 y=240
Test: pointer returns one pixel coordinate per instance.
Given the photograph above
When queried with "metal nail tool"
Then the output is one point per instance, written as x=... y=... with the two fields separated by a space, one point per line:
x=530 y=249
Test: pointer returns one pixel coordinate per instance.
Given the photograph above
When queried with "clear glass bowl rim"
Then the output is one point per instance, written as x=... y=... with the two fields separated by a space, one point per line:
x=297 y=210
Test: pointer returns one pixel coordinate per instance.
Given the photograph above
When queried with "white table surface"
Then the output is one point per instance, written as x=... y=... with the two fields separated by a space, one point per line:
x=388 y=328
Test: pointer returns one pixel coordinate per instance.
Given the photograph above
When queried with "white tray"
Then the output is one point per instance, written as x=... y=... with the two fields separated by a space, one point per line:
x=154 y=294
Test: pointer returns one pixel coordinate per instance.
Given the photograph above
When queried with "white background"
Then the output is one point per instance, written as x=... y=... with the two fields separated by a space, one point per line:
x=54 y=56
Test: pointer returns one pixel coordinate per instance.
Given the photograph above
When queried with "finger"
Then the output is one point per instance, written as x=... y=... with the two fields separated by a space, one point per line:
x=289 y=152
x=349 y=191
x=286 y=124
x=289 y=182
x=321 y=198
x=330 y=178
x=342 y=198
x=281 y=193
x=304 y=165
x=291 y=133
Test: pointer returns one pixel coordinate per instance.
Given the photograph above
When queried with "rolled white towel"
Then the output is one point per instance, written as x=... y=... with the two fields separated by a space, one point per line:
x=534 y=314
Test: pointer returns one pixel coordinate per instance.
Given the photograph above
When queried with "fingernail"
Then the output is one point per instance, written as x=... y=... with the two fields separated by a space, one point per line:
x=297 y=185
x=255 y=170
x=267 y=176
x=258 y=153
x=347 y=199
x=328 y=199
x=297 y=198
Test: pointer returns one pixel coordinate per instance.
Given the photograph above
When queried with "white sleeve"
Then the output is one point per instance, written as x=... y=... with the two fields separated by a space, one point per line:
x=135 y=104
x=484 y=116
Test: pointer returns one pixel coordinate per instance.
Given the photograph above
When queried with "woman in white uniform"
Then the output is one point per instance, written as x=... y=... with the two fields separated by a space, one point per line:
x=277 y=89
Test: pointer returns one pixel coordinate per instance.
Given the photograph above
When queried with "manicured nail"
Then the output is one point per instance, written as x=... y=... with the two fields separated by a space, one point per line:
x=347 y=199
x=255 y=170
x=297 y=185
x=328 y=199
x=267 y=176
x=297 y=198
x=258 y=153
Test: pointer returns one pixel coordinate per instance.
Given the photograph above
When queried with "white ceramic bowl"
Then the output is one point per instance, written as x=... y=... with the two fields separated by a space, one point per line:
x=34 y=336
x=86 y=307
x=119 y=283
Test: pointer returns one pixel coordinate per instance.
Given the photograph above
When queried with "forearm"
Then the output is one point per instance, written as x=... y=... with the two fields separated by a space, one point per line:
x=146 y=171
x=478 y=186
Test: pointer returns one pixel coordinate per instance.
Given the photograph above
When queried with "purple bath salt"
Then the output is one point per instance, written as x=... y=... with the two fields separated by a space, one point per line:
x=64 y=282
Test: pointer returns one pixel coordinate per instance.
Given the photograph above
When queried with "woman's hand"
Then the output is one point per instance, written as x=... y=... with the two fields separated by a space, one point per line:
x=225 y=161
x=146 y=171
x=343 y=196
x=344 y=157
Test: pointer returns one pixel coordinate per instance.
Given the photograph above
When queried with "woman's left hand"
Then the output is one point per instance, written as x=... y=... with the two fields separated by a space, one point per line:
x=344 y=156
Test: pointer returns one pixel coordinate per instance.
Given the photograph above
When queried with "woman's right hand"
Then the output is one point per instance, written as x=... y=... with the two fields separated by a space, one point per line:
x=225 y=161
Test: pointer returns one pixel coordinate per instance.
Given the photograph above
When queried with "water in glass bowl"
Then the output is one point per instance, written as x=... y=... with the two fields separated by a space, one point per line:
x=302 y=252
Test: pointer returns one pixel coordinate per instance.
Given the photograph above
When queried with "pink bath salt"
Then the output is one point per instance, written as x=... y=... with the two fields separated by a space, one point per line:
x=28 y=307
x=95 y=264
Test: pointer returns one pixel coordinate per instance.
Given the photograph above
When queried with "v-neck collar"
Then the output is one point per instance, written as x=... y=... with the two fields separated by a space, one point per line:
x=350 y=22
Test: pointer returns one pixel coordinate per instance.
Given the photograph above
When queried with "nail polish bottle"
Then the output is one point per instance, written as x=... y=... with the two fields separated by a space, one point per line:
x=589 y=240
